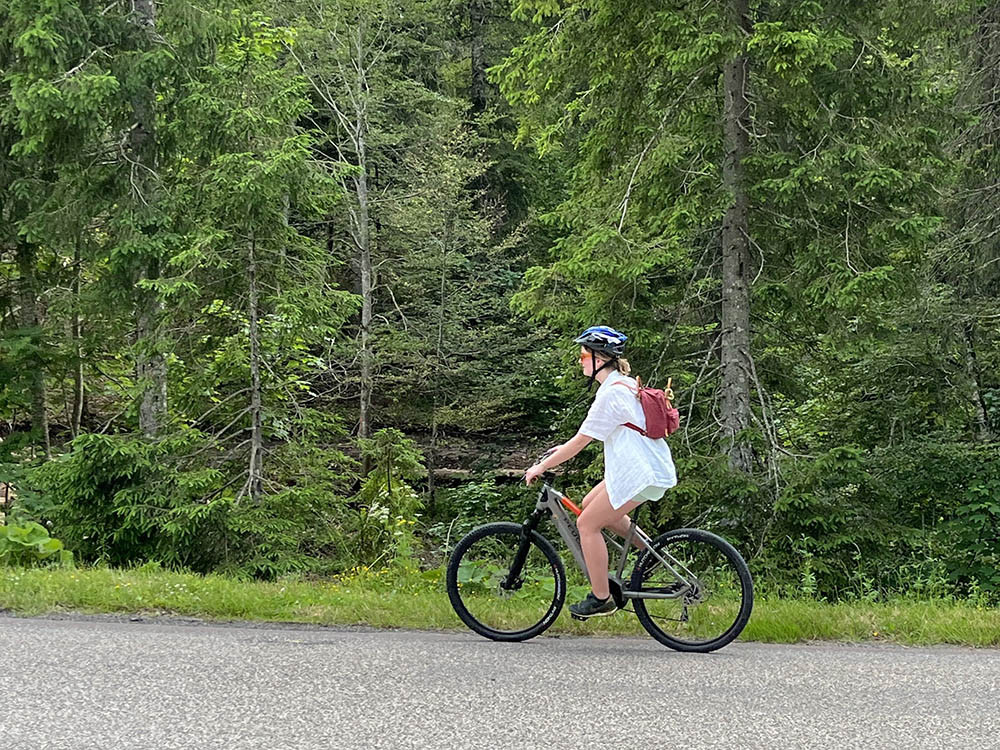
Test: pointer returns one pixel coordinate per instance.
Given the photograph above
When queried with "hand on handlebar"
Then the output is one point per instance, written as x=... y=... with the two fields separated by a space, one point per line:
x=533 y=473
x=537 y=470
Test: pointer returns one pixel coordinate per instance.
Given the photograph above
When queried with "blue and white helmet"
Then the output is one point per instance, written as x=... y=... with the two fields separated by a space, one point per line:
x=603 y=340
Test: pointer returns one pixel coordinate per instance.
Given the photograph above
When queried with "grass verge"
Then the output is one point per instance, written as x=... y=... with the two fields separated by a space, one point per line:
x=386 y=599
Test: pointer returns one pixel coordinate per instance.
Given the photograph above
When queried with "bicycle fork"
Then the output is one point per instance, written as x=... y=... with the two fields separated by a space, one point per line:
x=513 y=581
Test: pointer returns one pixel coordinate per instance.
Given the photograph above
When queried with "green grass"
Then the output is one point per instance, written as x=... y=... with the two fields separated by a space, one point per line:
x=387 y=599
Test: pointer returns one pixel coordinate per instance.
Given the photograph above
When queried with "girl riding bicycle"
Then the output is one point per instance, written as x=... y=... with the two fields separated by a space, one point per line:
x=636 y=468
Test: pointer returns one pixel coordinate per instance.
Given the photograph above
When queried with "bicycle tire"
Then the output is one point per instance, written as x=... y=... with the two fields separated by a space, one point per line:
x=693 y=547
x=504 y=533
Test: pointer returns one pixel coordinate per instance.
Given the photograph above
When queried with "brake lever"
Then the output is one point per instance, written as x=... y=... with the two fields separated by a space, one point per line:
x=542 y=457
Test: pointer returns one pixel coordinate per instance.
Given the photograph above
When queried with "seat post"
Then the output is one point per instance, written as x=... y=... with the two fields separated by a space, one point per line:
x=634 y=518
x=627 y=545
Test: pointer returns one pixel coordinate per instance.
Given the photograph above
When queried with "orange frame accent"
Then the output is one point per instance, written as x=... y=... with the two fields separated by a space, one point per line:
x=570 y=505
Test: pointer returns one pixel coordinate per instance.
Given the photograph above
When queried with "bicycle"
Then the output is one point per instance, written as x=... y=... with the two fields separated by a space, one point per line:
x=690 y=589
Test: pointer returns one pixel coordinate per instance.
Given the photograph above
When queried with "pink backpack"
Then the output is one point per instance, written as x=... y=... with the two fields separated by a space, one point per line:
x=662 y=419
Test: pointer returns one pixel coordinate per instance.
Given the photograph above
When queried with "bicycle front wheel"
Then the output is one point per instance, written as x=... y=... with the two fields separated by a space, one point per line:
x=499 y=598
x=700 y=592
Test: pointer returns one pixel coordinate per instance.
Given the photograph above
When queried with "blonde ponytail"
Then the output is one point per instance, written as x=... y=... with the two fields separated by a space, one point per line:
x=623 y=366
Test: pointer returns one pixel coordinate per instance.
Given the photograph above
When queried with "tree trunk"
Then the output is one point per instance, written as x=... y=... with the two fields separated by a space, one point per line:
x=388 y=472
x=438 y=356
x=363 y=240
x=478 y=88
x=32 y=324
x=256 y=435
x=76 y=417
x=984 y=431
x=151 y=366
x=432 y=458
x=987 y=47
x=286 y=211
x=367 y=365
x=735 y=352
x=979 y=216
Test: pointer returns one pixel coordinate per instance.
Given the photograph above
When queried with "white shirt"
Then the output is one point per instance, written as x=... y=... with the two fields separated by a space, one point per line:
x=632 y=462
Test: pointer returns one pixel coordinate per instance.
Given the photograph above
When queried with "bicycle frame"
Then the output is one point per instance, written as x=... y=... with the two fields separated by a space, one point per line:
x=552 y=501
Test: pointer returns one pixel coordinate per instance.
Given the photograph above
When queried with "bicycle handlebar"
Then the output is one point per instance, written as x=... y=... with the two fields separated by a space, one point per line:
x=545 y=455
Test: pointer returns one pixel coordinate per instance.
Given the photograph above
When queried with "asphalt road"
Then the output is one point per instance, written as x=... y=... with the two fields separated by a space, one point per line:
x=114 y=685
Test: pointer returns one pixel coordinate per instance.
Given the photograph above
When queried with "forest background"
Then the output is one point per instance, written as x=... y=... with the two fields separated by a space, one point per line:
x=288 y=288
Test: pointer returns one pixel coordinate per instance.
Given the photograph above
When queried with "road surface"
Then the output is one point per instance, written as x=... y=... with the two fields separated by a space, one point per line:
x=113 y=684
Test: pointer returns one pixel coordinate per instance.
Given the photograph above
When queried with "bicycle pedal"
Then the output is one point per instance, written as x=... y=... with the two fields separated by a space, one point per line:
x=581 y=618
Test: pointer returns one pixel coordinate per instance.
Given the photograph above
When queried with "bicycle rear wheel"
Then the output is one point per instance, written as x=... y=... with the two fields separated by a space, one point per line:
x=497 y=601
x=708 y=596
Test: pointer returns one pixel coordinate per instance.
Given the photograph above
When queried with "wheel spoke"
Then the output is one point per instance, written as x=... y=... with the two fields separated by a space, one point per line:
x=713 y=598
x=477 y=576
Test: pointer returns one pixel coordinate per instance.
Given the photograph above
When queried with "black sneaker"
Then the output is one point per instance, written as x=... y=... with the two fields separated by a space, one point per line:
x=592 y=606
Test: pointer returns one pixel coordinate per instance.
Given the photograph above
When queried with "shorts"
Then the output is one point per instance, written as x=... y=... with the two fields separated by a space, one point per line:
x=652 y=492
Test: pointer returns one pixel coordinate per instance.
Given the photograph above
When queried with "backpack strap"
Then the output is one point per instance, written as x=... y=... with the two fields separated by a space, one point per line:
x=622 y=382
x=668 y=392
x=631 y=426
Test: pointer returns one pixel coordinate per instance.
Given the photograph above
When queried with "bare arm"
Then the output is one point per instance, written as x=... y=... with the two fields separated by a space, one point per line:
x=566 y=451
x=562 y=453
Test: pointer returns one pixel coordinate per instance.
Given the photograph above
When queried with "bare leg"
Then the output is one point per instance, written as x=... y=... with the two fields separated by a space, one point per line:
x=599 y=514
x=621 y=526
x=621 y=529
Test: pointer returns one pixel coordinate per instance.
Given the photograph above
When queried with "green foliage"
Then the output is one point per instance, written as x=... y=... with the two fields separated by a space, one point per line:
x=121 y=499
x=460 y=509
x=591 y=191
x=870 y=524
x=298 y=531
x=388 y=506
x=395 y=456
x=30 y=544
x=975 y=532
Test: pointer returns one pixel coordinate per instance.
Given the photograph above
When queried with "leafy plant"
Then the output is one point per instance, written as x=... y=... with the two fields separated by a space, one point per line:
x=389 y=507
x=123 y=499
x=976 y=530
x=30 y=544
